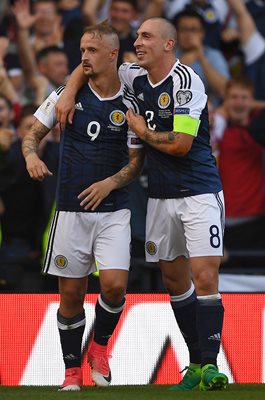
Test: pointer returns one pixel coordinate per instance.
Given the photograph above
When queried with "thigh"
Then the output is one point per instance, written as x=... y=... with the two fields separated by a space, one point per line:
x=70 y=245
x=113 y=240
x=165 y=238
x=203 y=221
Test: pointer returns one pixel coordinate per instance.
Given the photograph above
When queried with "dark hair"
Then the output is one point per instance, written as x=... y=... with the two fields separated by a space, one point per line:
x=133 y=3
x=43 y=53
x=27 y=110
x=188 y=13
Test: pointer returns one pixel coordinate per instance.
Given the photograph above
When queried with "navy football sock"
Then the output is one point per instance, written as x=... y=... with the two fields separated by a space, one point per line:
x=210 y=322
x=107 y=317
x=71 y=333
x=185 y=309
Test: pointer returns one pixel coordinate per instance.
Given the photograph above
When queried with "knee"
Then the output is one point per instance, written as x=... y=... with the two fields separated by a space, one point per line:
x=72 y=297
x=206 y=282
x=114 y=292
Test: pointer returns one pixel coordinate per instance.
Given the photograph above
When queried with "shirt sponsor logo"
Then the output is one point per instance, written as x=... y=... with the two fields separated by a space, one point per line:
x=164 y=100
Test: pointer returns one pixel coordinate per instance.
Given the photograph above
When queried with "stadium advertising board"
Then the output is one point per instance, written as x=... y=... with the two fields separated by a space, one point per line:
x=147 y=346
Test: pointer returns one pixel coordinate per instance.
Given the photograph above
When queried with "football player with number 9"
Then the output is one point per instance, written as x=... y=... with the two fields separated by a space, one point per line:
x=99 y=156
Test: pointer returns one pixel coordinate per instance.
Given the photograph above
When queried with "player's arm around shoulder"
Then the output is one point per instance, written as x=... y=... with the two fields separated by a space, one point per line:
x=45 y=120
x=171 y=142
x=189 y=102
x=65 y=107
x=128 y=72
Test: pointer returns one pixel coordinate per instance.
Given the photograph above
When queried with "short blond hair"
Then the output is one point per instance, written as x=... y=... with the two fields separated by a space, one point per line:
x=104 y=29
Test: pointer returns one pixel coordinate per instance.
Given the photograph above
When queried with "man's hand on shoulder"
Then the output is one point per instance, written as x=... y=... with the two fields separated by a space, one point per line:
x=65 y=108
x=136 y=123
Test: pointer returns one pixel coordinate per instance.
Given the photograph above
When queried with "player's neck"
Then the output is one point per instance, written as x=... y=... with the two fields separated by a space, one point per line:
x=159 y=72
x=106 y=86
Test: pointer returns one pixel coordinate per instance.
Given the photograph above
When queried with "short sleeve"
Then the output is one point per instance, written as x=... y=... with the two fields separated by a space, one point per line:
x=128 y=72
x=189 y=102
x=46 y=112
x=133 y=141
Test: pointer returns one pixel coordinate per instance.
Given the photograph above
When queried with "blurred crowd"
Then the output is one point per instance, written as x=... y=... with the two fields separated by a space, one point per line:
x=222 y=40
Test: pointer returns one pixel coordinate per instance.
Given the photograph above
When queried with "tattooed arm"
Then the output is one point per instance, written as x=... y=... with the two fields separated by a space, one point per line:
x=174 y=143
x=37 y=169
x=94 y=194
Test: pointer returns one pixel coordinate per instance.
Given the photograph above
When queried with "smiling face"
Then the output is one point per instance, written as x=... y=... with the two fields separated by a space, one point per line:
x=239 y=103
x=122 y=14
x=154 y=40
x=98 y=54
x=46 y=17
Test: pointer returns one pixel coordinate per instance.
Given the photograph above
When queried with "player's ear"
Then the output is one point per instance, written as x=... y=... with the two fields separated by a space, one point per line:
x=170 y=44
x=114 y=54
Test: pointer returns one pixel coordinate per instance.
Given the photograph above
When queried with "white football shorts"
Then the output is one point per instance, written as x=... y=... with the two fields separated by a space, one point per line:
x=78 y=239
x=190 y=226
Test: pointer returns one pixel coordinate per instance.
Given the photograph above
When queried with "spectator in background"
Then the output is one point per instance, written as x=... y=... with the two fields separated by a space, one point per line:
x=46 y=23
x=241 y=165
x=96 y=10
x=214 y=13
x=256 y=8
x=53 y=65
x=253 y=47
x=209 y=63
x=7 y=130
x=6 y=118
x=48 y=68
x=122 y=15
x=6 y=87
x=22 y=221
x=70 y=10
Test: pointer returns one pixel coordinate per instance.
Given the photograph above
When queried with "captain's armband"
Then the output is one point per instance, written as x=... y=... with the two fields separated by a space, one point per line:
x=186 y=124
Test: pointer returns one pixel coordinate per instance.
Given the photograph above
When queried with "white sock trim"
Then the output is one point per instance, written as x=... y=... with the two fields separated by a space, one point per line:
x=64 y=327
x=216 y=296
x=108 y=308
x=183 y=296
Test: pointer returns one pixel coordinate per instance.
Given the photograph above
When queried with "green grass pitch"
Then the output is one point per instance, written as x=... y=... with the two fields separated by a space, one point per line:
x=145 y=392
